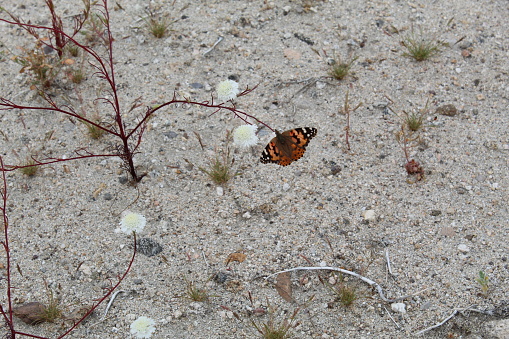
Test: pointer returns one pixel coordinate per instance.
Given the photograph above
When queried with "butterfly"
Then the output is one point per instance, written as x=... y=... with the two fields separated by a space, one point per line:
x=288 y=146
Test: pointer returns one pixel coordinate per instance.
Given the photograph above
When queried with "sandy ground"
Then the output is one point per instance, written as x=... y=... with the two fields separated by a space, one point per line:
x=438 y=232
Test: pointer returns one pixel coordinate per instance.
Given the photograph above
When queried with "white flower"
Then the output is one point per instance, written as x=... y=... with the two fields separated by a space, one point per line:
x=132 y=222
x=227 y=90
x=245 y=135
x=143 y=327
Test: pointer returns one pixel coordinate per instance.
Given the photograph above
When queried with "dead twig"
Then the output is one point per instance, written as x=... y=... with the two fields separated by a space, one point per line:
x=439 y=324
x=390 y=316
x=389 y=268
x=366 y=280
x=501 y=310
x=213 y=46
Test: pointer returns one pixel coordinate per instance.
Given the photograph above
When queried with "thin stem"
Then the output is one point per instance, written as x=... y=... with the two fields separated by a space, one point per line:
x=110 y=291
x=5 y=243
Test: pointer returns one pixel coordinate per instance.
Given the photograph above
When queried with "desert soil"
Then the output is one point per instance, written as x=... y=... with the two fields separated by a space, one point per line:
x=438 y=232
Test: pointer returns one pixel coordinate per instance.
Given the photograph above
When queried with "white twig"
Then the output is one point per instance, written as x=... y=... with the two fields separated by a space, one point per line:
x=366 y=280
x=439 y=324
x=213 y=46
x=388 y=262
x=205 y=258
x=390 y=316
x=113 y=296
x=469 y=308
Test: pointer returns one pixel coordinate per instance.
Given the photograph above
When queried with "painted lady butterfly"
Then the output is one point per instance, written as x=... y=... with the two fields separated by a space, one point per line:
x=288 y=146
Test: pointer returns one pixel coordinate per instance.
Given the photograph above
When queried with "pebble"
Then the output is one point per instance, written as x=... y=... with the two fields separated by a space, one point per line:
x=86 y=269
x=219 y=191
x=448 y=110
x=196 y=85
x=447 y=231
x=369 y=215
x=170 y=134
x=463 y=248
x=148 y=247
x=399 y=307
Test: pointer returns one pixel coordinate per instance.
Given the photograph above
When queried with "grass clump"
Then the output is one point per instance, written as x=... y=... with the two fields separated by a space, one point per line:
x=220 y=168
x=344 y=293
x=52 y=311
x=157 y=25
x=77 y=76
x=93 y=131
x=339 y=69
x=414 y=121
x=274 y=329
x=195 y=293
x=420 y=47
x=30 y=167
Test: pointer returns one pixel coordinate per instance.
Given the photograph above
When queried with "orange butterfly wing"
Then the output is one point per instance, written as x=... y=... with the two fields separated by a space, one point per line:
x=288 y=146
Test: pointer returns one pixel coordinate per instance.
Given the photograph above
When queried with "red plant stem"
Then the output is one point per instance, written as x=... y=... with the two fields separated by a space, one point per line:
x=105 y=71
x=5 y=244
x=110 y=291
x=8 y=315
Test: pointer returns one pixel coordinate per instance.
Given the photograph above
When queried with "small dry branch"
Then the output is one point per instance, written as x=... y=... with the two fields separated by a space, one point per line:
x=366 y=280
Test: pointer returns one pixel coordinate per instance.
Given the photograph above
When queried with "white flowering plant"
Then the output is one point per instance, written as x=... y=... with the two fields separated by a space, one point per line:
x=132 y=222
x=143 y=327
x=245 y=136
x=227 y=90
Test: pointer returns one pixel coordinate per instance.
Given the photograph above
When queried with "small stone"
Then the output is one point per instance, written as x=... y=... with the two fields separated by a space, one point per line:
x=463 y=248
x=170 y=134
x=286 y=10
x=465 y=53
x=196 y=85
x=426 y=306
x=450 y=210
x=461 y=190
x=286 y=186
x=178 y=314
x=320 y=85
x=246 y=215
x=436 y=213
x=291 y=54
x=148 y=247
x=448 y=110
x=369 y=215
x=220 y=277
x=480 y=178
x=335 y=169
x=85 y=269
x=219 y=191
x=399 y=307
x=447 y=231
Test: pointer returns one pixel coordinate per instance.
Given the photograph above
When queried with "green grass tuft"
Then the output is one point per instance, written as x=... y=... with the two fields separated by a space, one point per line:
x=420 y=47
x=339 y=70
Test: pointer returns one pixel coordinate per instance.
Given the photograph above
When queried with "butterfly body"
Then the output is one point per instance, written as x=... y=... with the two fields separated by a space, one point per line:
x=287 y=146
